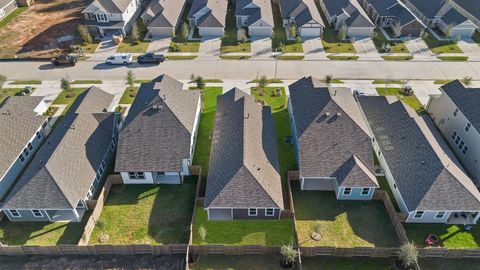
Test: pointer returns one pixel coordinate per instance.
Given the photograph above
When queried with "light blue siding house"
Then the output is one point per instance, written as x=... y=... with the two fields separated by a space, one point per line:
x=332 y=147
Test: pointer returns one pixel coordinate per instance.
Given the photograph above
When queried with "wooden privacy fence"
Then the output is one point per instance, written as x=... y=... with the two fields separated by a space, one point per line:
x=350 y=252
x=233 y=250
x=449 y=253
x=381 y=195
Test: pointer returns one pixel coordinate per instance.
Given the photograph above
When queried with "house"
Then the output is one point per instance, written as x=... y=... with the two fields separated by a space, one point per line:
x=7 y=7
x=350 y=14
x=332 y=144
x=439 y=14
x=69 y=168
x=256 y=15
x=304 y=15
x=157 y=142
x=456 y=114
x=111 y=17
x=162 y=17
x=469 y=8
x=393 y=18
x=208 y=16
x=243 y=174
x=423 y=174
x=24 y=127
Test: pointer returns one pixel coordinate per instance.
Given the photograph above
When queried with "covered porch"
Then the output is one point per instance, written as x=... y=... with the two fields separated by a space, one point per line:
x=66 y=215
x=462 y=218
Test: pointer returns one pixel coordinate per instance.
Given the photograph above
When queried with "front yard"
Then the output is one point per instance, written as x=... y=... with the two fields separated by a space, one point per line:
x=279 y=41
x=332 y=44
x=129 y=95
x=451 y=236
x=8 y=92
x=131 y=46
x=343 y=223
x=68 y=97
x=411 y=101
x=440 y=46
x=229 y=40
x=380 y=42
x=147 y=214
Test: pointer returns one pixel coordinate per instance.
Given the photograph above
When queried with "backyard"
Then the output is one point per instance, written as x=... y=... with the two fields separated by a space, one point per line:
x=342 y=223
x=67 y=97
x=129 y=45
x=279 y=41
x=229 y=39
x=451 y=236
x=380 y=41
x=332 y=44
x=440 y=46
x=146 y=214
x=411 y=101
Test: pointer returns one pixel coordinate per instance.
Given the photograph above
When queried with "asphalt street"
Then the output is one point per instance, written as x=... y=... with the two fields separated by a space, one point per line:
x=247 y=69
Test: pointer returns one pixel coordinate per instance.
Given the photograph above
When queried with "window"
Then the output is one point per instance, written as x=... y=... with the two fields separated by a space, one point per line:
x=468 y=126
x=440 y=215
x=454 y=135
x=269 y=212
x=91 y=191
x=141 y=175
x=81 y=204
x=455 y=112
x=2 y=13
x=39 y=135
x=97 y=177
x=131 y=175
x=25 y=152
x=14 y=213
x=457 y=140
x=347 y=191
x=394 y=186
x=252 y=212
x=103 y=165
x=461 y=145
x=30 y=146
x=418 y=214
x=22 y=158
x=365 y=191
x=37 y=213
x=136 y=175
x=102 y=18
x=465 y=149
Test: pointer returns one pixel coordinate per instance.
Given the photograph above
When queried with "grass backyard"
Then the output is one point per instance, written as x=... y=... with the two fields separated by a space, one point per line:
x=339 y=263
x=411 y=101
x=332 y=44
x=68 y=97
x=147 y=214
x=441 y=46
x=129 y=95
x=279 y=41
x=229 y=40
x=130 y=46
x=395 y=46
x=343 y=223
x=41 y=233
x=8 y=92
x=222 y=262
x=451 y=236
x=243 y=232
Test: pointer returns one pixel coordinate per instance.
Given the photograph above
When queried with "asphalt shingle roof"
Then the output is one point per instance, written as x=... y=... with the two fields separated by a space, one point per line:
x=332 y=137
x=356 y=15
x=439 y=9
x=65 y=166
x=304 y=11
x=163 y=13
x=393 y=8
x=215 y=17
x=425 y=170
x=157 y=132
x=471 y=6
x=109 y=6
x=243 y=170
x=262 y=11
x=466 y=99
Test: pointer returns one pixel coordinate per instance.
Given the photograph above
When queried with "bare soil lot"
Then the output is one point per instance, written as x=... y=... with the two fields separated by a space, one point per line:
x=36 y=32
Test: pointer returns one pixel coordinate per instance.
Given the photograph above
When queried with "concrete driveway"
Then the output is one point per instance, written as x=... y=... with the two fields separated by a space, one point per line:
x=365 y=45
x=261 y=48
x=313 y=48
x=106 y=48
x=209 y=48
x=159 y=45
x=469 y=46
x=417 y=46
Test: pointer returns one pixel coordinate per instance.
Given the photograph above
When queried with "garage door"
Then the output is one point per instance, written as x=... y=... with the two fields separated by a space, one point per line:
x=463 y=32
x=220 y=214
x=260 y=32
x=310 y=32
x=360 y=32
x=156 y=32
x=317 y=184
x=210 y=31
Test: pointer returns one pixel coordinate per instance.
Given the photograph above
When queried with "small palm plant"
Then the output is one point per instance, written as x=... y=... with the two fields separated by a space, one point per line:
x=289 y=255
x=316 y=230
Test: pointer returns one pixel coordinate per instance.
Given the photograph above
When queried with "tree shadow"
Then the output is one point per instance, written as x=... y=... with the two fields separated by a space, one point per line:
x=62 y=6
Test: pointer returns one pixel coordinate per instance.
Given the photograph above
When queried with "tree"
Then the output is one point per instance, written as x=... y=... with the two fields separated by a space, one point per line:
x=65 y=84
x=289 y=254
x=184 y=32
x=135 y=34
x=328 y=79
x=130 y=78
x=199 y=82
x=467 y=80
x=203 y=233
x=408 y=254
x=292 y=30
x=342 y=32
x=457 y=39
x=3 y=79
x=85 y=34
x=448 y=31
x=242 y=35
x=262 y=82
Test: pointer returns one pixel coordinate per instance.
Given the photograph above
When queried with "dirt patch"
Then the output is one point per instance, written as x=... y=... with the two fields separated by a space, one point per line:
x=46 y=28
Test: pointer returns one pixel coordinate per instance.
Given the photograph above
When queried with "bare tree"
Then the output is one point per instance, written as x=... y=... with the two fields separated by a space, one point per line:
x=184 y=32
x=292 y=30
x=85 y=34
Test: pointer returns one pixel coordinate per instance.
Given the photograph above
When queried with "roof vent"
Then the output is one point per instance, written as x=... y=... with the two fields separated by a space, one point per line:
x=327 y=114
x=247 y=116
x=339 y=114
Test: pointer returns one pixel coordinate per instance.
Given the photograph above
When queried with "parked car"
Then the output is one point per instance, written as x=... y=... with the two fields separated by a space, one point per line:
x=64 y=59
x=358 y=92
x=151 y=58
x=120 y=59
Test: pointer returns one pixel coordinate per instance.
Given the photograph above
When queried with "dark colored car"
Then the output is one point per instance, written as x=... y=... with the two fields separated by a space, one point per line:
x=64 y=59
x=151 y=58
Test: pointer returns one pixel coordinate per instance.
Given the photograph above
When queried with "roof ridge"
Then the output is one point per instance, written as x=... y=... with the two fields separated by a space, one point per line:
x=56 y=184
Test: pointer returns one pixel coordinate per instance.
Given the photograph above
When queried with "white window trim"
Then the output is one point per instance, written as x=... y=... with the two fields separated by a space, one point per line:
x=368 y=191
x=266 y=212
x=33 y=212
x=344 y=193
x=256 y=212
x=18 y=213
x=436 y=215
x=415 y=215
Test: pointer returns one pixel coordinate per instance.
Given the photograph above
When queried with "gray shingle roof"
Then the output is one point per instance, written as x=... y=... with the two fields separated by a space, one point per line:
x=243 y=169
x=18 y=122
x=356 y=15
x=466 y=99
x=262 y=11
x=439 y=9
x=109 y=6
x=163 y=13
x=158 y=139
x=332 y=137
x=304 y=11
x=215 y=17
x=453 y=17
x=65 y=166
x=425 y=170
x=393 y=8
x=471 y=6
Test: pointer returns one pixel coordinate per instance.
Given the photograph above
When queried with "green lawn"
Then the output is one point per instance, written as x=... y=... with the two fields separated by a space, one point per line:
x=243 y=232
x=342 y=58
x=229 y=39
x=451 y=236
x=442 y=81
x=339 y=263
x=269 y=81
x=449 y=264
x=412 y=100
x=129 y=95
x=388 y=82
x=213 y=80
x=129 y=46
x=86 y=82
x=12 y=16
x=207 y=119
x=8 y=92
x=453 y=58
x=181 y=57
x=290 y=57
x=397 y=58
x=343 y=223
x=89 y=48
x=234 y=57
x=395 y=46
x=191 y=46
x=147 y=214
x=332 y=44
x=68 y=97
x=270 y=97
x=41 y=233
x=441 y=46
x=279 y=41
x=142 y=81
x=223 y=262
x=26 y=82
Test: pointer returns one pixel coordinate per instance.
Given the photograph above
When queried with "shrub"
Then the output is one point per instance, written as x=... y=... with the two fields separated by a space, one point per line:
x=85 y=34
x=467 y=80
x=408 y=254
x=70 y=95
x=65 y=84
x=316 y=227
x=289 y=254
x=3 y=79
x=130 y=78
x=199 y=82
x=202 y=232
x=183 y=36
x=262 y=82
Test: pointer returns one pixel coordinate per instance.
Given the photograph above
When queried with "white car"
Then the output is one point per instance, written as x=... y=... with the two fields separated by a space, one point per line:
x=120 y=59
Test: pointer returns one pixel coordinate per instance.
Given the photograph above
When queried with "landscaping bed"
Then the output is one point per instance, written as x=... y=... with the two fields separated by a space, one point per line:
x=147 y=214
x=412 y=100
x=332 y=44
x=451 y=236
